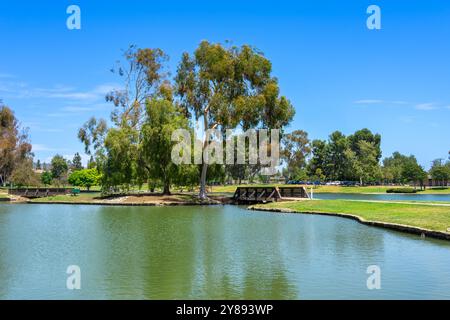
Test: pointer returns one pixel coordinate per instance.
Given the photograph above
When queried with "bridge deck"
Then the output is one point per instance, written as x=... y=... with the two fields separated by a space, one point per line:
x=268 y=194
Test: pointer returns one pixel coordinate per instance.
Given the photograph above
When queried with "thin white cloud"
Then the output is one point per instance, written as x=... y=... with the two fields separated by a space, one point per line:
x=379 y=101
x=37 y=127
x=426 y=106
x=41 y=147
x=38 y=147
x=76 y=109
x=368 y=101
x=85 y=107
x=22 y=90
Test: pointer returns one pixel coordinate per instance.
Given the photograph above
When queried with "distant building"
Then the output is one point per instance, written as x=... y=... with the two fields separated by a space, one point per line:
x=430 y=182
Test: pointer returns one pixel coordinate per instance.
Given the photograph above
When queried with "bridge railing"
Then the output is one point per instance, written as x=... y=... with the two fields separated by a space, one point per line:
x=39 y=192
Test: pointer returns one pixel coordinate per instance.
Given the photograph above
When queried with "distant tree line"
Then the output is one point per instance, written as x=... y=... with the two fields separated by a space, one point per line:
x=353 y=158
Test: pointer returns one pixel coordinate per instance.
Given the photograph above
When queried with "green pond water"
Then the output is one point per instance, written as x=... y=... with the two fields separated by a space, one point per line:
x=220 y=252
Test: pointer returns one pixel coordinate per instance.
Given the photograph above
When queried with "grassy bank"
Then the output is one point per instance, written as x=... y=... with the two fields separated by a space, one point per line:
x=4 y=195
x=335 y=189
x=82 y=197
x=427 y=216
x=150 y=199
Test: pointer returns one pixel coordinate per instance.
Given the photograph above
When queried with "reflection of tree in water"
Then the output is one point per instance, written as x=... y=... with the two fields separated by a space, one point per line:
x=148 y=253
x=5 y=272
x=222 y=253
x=238 y=257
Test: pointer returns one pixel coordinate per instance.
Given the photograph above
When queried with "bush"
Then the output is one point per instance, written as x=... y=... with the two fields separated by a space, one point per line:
x=401 y=190
x=85 y=178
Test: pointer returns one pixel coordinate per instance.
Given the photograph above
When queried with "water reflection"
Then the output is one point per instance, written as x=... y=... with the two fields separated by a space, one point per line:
x=208 y=253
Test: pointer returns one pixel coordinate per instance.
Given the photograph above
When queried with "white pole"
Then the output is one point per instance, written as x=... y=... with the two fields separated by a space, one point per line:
x=312 y=193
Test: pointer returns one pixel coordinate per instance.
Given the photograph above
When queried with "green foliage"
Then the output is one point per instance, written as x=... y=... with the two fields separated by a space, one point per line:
x=119 y=167
x=24 y=175
x=355 y=157
x=115 y=149
x=440 y=171
x=15 y=148
x=401 y=190
x=162 y=119
x=142 y=72
x=59 y=167
x=296 y=149
x=76 y=162
x=85 y=178
x=230 y=87
x=413 y=172
x=187 y=176
x=401 y=169
x=46 y=178
x=92 y=134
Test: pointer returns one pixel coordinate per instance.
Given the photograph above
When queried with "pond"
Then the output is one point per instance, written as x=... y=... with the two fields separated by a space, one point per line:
x=216 y=252
x=383 y=196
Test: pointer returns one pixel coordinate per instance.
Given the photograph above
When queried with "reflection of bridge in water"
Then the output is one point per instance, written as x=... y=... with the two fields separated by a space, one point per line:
x=268 y=194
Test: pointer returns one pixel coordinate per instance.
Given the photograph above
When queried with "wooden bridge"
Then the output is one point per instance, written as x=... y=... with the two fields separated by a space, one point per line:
x=294 y=192
x=39 y=192
x=267 y=194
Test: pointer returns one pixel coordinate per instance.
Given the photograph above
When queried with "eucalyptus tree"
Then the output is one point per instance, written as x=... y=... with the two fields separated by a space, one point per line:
x=142 y=73
x=230 y=87
x=296 y=149
x=163 y=117
x=15 y=147
x=116 y=147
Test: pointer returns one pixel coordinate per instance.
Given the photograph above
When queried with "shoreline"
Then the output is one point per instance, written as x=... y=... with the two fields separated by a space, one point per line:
x=386 y=225
x=125 y=204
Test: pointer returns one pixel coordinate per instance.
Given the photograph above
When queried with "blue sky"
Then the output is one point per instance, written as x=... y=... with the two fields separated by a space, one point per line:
x=338 y=74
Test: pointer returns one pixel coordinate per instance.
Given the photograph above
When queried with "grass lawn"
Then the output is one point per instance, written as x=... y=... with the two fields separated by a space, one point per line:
x=426 y=216
x=156 y=198
x=3 y=194
x=82 y=197
x=333 y=189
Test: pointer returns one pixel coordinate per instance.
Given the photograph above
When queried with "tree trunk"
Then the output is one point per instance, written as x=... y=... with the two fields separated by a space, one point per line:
x=202 y=194
x=166 y=190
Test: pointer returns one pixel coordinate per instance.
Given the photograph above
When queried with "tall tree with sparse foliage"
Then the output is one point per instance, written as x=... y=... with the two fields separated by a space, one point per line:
x=296 y=149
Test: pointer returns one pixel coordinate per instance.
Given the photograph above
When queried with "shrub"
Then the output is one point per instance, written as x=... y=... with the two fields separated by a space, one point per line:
x=401 y=190
x=84 y=178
